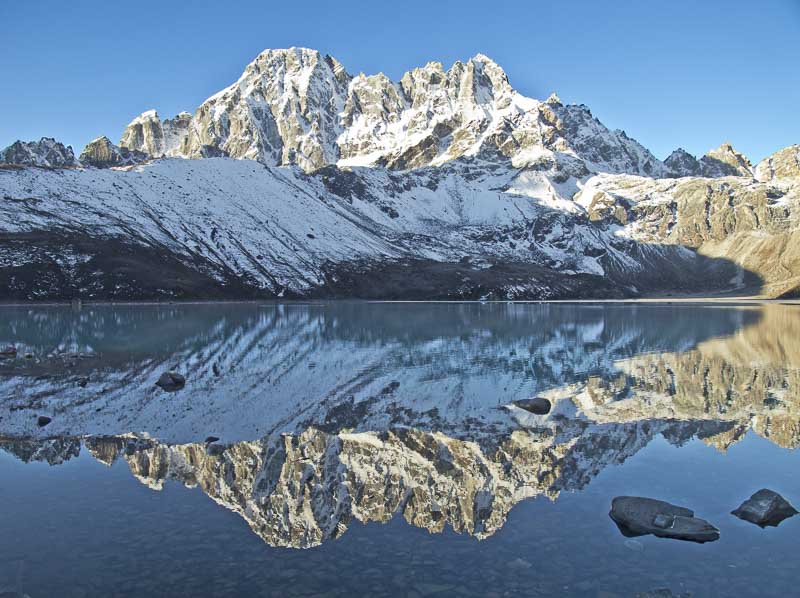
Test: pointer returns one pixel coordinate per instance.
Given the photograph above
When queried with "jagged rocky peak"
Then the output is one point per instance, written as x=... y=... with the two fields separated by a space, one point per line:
x=46 y=153
x=102 y=153
x=148 y=134
x=784 y=163
x=681 y=163
x=283 y=110
x=297 y=106
x=726 y=161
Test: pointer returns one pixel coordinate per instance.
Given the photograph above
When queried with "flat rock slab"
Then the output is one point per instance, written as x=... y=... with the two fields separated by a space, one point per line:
x=765 y=508
x=637 y=516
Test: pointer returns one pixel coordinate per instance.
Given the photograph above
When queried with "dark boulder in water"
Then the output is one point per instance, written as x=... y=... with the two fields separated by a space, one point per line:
x=211 y=439
x=171 y=381
x=536 y=405
x=636 y=516
x=765 y=508
x=43 y=420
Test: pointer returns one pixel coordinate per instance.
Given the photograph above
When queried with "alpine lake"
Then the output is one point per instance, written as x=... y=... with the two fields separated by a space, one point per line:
x=394 y=449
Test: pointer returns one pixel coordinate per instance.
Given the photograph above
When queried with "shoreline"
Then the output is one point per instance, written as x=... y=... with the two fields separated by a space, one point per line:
x=744 y=300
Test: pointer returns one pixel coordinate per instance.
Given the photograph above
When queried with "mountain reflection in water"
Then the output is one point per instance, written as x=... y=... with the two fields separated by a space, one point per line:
x=332 y=413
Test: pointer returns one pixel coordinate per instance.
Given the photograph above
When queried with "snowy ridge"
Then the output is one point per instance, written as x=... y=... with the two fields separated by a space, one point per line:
x=296 y=106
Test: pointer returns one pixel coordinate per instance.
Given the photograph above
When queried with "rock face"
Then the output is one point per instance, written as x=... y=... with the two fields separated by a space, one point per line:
x=765 y=508
x=721 y=162
x=725 y=161
x=784 y=163
x=101 y=153
x=681 y=163
x=47 y=153
x=148 y=135
x=750 y=223
x=637 y=516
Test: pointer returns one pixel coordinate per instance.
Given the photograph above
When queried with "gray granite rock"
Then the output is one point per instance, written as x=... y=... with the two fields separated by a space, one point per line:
x=637 y=516
x=765 y=508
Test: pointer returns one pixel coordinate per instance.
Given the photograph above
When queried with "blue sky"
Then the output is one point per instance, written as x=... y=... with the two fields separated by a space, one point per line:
x=670 y=73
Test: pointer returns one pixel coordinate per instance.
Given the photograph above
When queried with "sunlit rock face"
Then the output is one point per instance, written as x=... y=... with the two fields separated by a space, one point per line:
x=149 y=135
x=725 y=161
x=101 y=153
x=783 y=164
x=752 y=224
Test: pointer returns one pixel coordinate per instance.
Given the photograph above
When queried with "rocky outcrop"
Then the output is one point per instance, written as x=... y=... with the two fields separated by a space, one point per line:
x=149 y=135
x=751 y=224
x=101 y=153
x=783 y=164
x=681 y=163
x=725 y=161
x=45 y=153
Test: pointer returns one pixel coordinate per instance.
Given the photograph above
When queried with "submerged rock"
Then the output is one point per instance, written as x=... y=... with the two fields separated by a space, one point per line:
x=536 y=405
x=43 y=420
x=211 y=439
x=636 y=516
x=171 y=381
x=765 y=508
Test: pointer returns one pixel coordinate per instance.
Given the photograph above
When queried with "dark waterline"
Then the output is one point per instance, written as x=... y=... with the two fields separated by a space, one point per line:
x=354 y=438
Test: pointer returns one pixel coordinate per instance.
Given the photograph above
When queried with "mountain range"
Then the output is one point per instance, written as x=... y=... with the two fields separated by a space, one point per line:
x=302 y=180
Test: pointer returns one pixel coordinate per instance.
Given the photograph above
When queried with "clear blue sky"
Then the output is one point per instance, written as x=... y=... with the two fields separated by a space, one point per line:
x=671 y=73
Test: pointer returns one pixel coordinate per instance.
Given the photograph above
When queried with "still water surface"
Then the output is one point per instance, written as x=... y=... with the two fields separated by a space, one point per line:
x=376 y=449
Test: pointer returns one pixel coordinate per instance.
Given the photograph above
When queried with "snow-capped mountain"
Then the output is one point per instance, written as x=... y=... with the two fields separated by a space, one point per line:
x=301 y=180
x=297 y=106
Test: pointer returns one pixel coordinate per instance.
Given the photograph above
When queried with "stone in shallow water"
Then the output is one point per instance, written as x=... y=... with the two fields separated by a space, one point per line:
x=43 y=420
x=171 y=381
x=637 y=516
x=536 y=405
x=765 y=508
